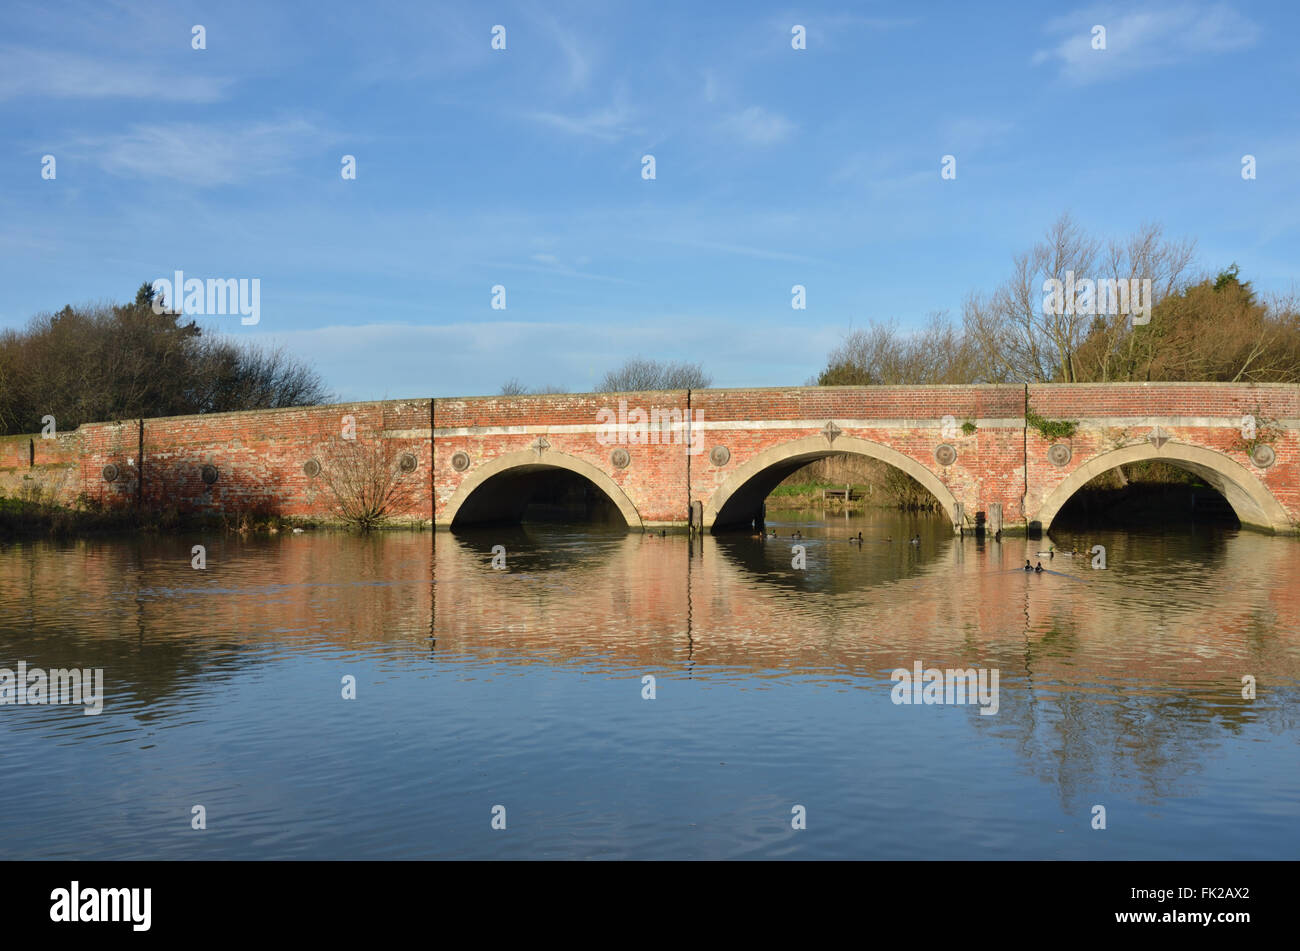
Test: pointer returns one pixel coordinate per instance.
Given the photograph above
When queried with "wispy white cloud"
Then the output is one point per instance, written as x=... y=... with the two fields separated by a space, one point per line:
x=607 y=125
x=757 y=126
x=40 y=74
x=743 y=250
x=205 y=155
x=576 y=55
x=1143 y=39
x=710 y=91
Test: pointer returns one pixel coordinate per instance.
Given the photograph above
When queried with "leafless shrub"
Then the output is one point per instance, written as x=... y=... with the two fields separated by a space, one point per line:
x=512 y=387
x=364 y=480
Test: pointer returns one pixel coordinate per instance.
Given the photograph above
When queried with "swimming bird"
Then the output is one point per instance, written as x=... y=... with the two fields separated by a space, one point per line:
x=772 y=532
x=856 y=541
x=1028 y=566
x=1050 y=551
x=916 y=540
x=796 y=535
x=1038 y=569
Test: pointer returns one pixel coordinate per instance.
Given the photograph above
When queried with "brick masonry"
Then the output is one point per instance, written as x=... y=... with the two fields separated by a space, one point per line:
x=259 y=457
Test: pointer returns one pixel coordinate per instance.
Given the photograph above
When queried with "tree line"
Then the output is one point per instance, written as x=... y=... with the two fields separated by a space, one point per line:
x=1200 y=327
x=124 y=361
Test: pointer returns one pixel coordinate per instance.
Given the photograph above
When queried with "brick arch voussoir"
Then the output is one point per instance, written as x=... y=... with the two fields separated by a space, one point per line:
x=818 y=444
x=1250 y=498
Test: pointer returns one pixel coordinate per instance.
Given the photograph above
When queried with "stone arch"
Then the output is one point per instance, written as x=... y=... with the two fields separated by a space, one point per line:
x=1250 y=499
x=529 y=460
x=780 y=461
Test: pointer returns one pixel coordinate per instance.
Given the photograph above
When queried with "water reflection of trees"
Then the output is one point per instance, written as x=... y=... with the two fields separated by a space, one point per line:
x=1129 y=676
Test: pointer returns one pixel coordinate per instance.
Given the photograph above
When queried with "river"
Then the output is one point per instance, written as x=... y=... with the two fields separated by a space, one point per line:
x=521 y=696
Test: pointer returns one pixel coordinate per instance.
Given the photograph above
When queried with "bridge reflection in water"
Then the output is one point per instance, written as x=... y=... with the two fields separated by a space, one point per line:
x=523 y=685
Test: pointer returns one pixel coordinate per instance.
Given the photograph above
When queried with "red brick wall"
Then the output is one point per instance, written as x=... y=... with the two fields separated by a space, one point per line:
x=259 y=457
x=32 y=465
x=1110 y=415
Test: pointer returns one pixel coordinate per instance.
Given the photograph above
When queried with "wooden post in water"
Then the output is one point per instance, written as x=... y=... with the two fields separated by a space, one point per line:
x=995 y=517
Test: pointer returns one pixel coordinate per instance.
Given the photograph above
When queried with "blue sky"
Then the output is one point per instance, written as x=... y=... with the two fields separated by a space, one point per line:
x=522 y=168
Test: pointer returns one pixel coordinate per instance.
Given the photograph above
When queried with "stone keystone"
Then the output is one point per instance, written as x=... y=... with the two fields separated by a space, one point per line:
x=830 y=431
x=539 y=444
x=1158 y=437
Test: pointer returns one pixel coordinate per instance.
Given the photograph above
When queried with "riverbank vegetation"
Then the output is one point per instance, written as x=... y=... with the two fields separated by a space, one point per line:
x=36 y=518
x=35 y=512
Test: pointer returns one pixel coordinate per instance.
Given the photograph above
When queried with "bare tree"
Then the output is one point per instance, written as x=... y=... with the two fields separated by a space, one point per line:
x=1018 y=337
x=880 y=354
x=638 y=374
x=228 y=375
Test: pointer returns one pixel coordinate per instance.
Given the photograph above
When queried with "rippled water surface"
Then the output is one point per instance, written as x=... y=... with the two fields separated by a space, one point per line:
x=523 y=688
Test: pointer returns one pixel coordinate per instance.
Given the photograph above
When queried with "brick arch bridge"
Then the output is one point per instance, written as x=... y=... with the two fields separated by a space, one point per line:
x=670 y=459
x=734 y=446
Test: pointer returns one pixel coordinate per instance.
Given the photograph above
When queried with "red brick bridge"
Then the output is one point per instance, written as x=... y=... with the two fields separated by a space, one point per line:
x=707 y=458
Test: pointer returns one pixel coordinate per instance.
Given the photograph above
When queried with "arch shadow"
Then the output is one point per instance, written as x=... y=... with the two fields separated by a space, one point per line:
x=1251 y=501
x=740 y=496
x=503 y=501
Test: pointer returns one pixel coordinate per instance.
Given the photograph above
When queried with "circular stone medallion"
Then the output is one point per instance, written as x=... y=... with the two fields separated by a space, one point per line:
x=110 y=473
x=620 y=458
x=407 y=462
x=208 y=474
x=1060 y=454
x=719 y=455
x=460 y=460
x=1263 y=455
x=945 y=455
x=311 y=468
